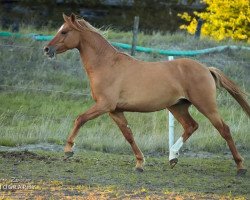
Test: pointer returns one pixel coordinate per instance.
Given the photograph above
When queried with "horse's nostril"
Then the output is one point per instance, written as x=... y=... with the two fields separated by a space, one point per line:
x=46 y=49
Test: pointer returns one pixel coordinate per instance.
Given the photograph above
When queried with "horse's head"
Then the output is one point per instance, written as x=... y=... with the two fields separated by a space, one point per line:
x=67 y=37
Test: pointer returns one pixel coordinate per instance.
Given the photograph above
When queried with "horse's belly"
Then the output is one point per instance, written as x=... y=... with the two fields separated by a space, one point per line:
x=139 y=107
x=141 y=103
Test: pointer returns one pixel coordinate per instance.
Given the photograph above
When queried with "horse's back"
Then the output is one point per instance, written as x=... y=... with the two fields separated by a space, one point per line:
x=150 y=86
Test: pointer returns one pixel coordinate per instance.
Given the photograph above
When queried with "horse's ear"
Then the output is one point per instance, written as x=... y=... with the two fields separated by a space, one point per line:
x=72 y=17
x=65 y=17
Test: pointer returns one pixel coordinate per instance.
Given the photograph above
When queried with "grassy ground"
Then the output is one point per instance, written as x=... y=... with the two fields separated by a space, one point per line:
x=97 y=175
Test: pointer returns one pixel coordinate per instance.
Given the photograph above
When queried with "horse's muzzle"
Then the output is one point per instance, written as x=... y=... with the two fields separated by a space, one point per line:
x=50 y=51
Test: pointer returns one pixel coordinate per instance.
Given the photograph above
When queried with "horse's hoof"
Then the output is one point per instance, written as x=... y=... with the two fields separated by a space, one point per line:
x=68 y=155
x=138 y=169
x=173 y=162
x=241 y=172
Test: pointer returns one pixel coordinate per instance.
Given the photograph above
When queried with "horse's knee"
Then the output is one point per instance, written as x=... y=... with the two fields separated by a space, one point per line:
x=129 y=139
x=79 y=121
x=226 y=129
x=127 y=132
x=225 y=132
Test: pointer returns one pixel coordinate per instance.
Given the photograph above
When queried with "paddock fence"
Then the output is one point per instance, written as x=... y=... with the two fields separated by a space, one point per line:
x=171 y=54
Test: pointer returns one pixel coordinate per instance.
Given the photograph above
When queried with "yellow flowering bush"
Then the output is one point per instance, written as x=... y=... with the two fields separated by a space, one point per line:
x=222 y=19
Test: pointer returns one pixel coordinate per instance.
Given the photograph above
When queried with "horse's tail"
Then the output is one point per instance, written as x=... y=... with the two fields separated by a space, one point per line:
x=231 y=87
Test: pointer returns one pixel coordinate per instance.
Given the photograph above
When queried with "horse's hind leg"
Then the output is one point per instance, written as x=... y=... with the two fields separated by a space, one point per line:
x=208 y=107
x=225 y=133
x=180 y=112
x=122 y=123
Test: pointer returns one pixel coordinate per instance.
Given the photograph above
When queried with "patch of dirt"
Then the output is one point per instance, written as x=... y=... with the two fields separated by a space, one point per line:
x=18 y=156
x=23 y=155
x=30 y=147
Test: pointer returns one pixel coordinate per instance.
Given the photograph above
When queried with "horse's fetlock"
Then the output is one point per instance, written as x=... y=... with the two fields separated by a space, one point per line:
x=70 y=142
x=239 y=160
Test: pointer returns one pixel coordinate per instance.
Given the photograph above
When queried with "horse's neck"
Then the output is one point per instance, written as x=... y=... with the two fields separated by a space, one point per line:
x=96 y=52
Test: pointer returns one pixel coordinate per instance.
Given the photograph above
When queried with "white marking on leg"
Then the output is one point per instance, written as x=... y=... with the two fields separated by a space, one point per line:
x=174 y=150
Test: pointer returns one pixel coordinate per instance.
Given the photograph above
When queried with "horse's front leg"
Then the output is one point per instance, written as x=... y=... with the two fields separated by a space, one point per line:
x=122 y=123
x=98 y=109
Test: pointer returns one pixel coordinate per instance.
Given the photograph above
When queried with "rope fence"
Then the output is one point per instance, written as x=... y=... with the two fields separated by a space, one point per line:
x=54 y=60
x=40 y=37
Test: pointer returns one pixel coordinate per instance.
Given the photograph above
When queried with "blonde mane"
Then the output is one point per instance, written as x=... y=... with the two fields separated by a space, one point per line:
x=81 y=25
x=84 y=23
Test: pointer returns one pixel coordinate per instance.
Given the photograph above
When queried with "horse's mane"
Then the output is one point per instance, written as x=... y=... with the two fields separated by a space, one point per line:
x=81 y=25
x=84 y=23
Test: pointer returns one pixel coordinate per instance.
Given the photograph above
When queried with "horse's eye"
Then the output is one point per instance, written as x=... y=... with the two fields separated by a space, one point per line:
x=64 y=32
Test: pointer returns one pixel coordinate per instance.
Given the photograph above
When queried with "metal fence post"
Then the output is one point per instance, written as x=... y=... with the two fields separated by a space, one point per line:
x=135 y=32
x=170 y=123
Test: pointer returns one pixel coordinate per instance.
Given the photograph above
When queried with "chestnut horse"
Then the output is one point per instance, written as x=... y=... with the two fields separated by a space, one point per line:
x=122 y=83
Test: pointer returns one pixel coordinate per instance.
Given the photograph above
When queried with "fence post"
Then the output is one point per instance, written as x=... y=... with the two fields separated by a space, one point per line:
x=198 y=29
x=170 y=123
x=135 y=32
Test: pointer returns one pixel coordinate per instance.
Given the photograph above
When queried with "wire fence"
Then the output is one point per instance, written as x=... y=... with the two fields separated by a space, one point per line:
x=14 y=88
x=20 y=88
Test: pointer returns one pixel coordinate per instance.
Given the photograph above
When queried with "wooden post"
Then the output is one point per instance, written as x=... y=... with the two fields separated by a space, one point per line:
x=135 y=32
x=198 y=29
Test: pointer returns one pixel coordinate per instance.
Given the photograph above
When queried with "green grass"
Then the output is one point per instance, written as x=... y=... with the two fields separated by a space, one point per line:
x=40 y=98
x=49 y=118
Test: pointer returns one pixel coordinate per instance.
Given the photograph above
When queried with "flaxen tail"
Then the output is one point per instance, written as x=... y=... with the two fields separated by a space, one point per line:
x=231 y=87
